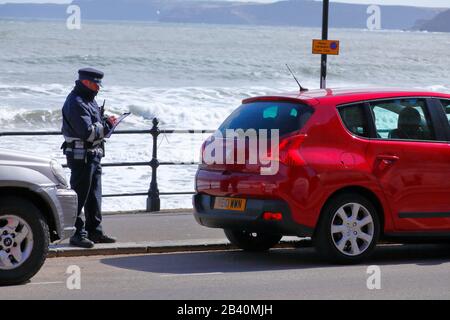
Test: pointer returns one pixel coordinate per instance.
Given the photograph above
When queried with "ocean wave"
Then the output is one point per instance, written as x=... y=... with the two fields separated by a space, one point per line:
x=75 y=59
x=37 y=107
x=37 y=91
x=30 y=119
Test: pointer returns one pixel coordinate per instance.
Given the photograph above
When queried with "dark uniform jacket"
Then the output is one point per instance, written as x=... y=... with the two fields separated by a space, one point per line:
x=83 y=124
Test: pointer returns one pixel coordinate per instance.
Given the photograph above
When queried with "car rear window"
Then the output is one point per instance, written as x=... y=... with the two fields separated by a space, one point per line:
x=287 y=117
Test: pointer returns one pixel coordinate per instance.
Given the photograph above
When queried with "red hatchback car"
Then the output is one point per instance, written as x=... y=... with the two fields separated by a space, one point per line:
x=354 y=167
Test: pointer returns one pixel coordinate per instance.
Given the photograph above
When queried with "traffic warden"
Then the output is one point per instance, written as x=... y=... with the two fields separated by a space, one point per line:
x=85 y=128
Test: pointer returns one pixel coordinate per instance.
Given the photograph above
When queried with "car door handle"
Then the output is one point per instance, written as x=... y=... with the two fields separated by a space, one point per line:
x=388 y=159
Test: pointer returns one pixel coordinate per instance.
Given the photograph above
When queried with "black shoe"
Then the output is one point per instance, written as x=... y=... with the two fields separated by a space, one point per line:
x=102 y=239
x=82 y=242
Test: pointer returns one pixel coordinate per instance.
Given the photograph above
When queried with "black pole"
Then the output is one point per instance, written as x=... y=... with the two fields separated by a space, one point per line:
x=323 y=65
x=153 y=200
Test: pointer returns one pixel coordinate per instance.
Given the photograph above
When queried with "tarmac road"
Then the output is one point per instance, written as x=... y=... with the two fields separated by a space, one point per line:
x=407 y=272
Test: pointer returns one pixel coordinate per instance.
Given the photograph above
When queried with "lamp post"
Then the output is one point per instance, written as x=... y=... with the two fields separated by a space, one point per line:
x=324 y=59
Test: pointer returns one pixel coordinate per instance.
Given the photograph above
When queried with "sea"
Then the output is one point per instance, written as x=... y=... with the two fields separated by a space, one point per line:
x=189 y=76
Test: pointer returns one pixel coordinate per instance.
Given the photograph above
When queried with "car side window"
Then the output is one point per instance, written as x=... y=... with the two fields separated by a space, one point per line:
x=402 y=119
x=446 y=105
x=354 y=118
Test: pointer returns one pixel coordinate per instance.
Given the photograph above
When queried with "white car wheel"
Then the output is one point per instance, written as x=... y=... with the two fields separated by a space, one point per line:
x=352 y=229
x=16 y=242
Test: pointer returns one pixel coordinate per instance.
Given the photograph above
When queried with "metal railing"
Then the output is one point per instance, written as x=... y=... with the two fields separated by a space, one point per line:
x=153 y=194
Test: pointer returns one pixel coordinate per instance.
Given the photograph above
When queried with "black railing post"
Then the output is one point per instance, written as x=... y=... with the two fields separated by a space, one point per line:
x=153 y=200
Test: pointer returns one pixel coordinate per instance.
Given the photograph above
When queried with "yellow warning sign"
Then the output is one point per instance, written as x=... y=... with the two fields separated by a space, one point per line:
x=325 y=47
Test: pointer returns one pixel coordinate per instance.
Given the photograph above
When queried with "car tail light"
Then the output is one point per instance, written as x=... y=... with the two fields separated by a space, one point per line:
x=203 y=148
x=202 y=152
x=273 y=216
x=289 y=151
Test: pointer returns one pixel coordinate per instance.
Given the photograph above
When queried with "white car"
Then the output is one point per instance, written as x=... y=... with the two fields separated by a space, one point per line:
x=36 y=208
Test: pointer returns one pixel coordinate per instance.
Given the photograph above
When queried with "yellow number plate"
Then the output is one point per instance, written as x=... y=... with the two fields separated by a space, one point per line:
x=230 y=204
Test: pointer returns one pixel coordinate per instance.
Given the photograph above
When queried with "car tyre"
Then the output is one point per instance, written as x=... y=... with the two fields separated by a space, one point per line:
x=22 y=223
x=348 y=230
x=252 y=241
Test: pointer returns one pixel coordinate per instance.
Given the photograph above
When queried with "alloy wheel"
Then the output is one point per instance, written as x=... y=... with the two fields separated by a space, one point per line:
x=352 y=229
x=16 y=242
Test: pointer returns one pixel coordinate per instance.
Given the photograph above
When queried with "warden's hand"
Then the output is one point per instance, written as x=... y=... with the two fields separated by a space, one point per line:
x=112 y=120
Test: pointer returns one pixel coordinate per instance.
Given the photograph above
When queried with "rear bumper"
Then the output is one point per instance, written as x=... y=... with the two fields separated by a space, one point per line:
x=249 y=220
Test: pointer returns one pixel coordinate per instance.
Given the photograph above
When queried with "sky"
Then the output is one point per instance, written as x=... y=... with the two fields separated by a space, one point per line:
x=423 y=3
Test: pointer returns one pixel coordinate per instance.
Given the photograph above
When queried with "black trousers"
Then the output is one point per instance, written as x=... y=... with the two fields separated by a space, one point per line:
x=86 y=180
